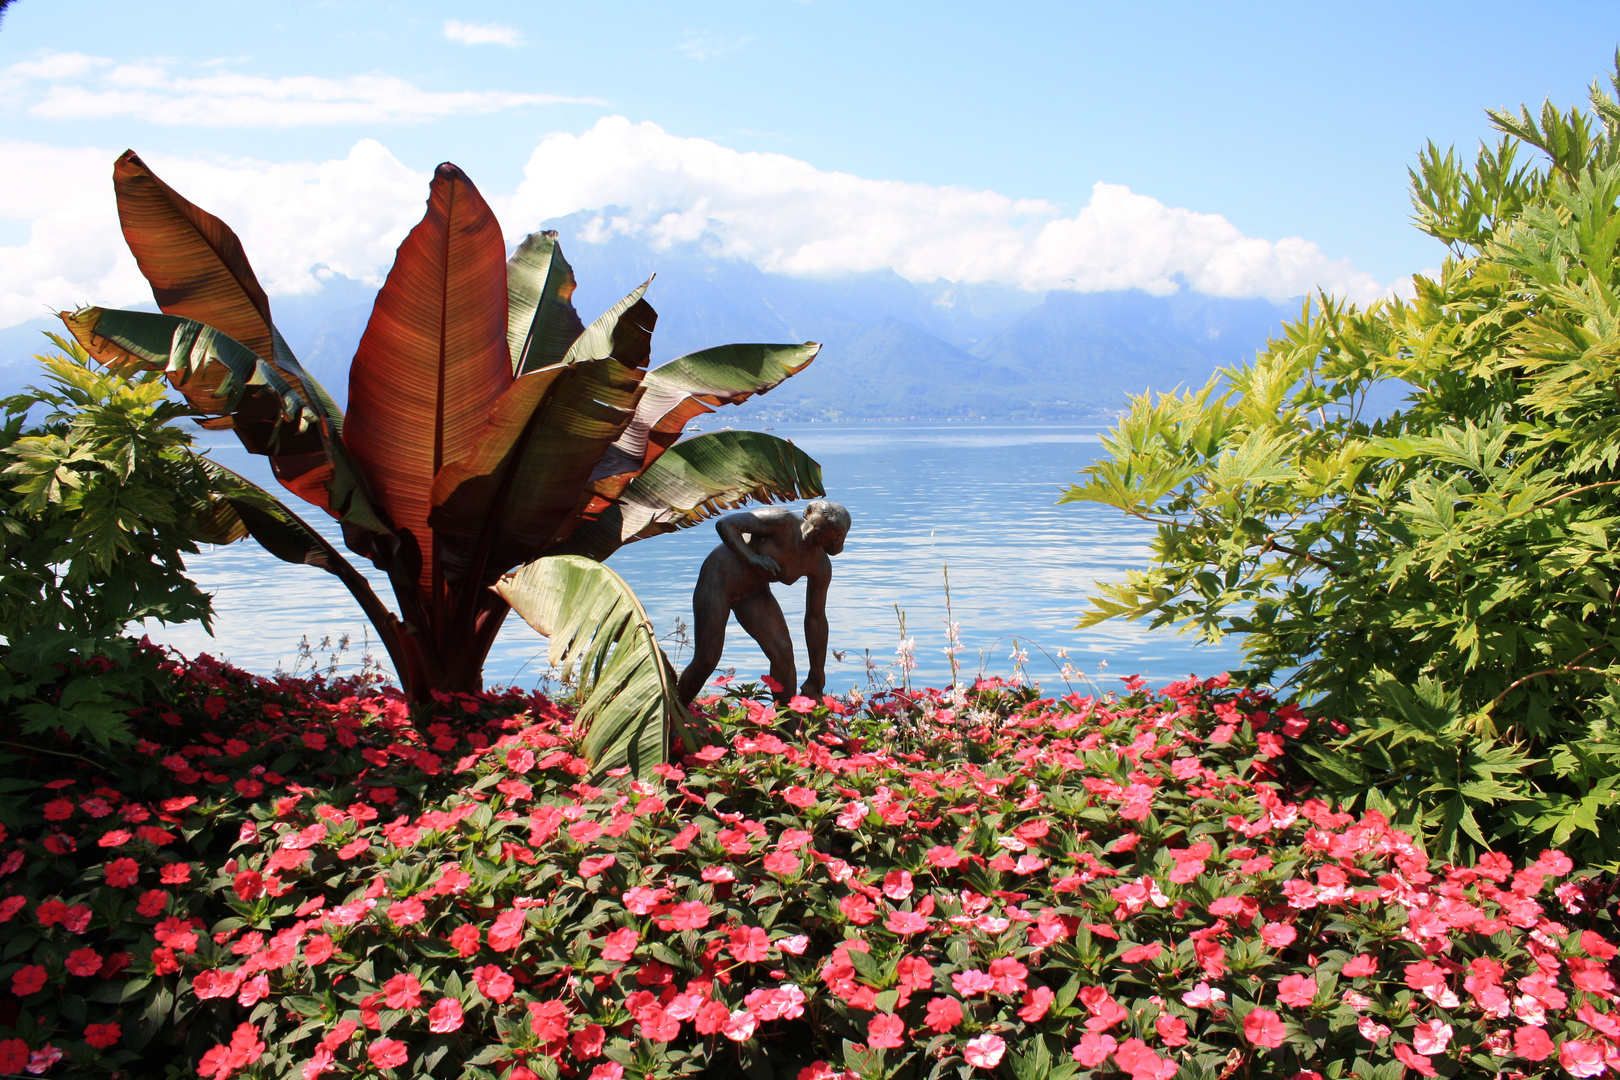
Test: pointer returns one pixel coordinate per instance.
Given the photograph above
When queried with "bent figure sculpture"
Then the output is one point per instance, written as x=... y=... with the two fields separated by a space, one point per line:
x=760 y=547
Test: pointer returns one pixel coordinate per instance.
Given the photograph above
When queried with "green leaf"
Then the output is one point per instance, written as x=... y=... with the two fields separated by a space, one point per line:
x=601 y=635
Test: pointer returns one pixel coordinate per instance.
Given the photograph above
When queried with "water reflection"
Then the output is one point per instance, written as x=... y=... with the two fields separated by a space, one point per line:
x=980 y=498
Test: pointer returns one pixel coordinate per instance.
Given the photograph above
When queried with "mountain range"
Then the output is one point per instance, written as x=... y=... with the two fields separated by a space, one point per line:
x=892 y=348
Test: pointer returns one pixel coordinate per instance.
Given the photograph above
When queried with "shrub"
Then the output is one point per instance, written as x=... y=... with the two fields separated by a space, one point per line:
x=101 y=499
x=300 y=879
x=1440 y=579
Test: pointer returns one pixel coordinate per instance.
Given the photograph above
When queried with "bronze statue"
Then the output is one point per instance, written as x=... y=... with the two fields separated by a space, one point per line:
x=760 y=547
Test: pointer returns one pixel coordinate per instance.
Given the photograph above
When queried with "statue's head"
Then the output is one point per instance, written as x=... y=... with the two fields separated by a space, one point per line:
x=829 y=525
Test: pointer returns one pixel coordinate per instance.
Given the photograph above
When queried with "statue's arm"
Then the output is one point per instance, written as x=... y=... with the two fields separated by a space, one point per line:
x=815 y=627
x=733 y=527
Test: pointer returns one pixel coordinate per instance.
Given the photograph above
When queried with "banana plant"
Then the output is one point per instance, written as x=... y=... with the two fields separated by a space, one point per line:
x=487 y=426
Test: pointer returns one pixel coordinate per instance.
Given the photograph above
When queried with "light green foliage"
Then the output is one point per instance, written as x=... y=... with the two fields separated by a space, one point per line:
x=100 y=499
x=1443 y=579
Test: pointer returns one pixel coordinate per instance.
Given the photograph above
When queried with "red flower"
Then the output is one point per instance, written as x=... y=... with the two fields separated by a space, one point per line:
x=386 y=1053
x=588 y=1041
x=1037 y=1001
x=886 y=1030
x=548 y=1020
x=1361 y=965
x=658 y=1025
x=1172 y=1029
x=318 y=949
x=404 y=991
x=1412 y=1059
x=30 y=979
x=906 y=922
x=749 y=944
x=445 y=1016
x=1136 y=955
x=1532 y=1043
x=102 y=1036
x=689 y=915
x=152 y=903
x=175 y=874
x=493 y=982
x=83 y=962
x=857 y=909
x=465 y=938
x=802 y=797
x=406 y=912
x=1264 y=1028
x=944 y=1013
x=249 y=884
x=122 y=873
x=1296 y=990
x=620 y=944
x=13 y=1056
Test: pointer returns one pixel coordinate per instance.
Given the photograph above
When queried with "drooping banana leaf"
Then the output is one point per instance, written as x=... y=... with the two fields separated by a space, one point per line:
x=692 y=385
x=601 y=637
x=527 y=478
x=246 y=509
x=541 y=322
x=433 y=359
x=696 y=479
x=224 y=378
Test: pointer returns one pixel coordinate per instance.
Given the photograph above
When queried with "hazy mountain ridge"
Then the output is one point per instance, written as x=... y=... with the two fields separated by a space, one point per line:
x=891 y=348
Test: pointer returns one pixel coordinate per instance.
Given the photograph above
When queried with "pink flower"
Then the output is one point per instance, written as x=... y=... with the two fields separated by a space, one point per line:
x=1172 y=1029
x=404 y=991
x=1431 y=1037
x=985 y=1051
x=897 y=884
x=1136 y=955
x=943 y=1014
x=620 y=944
x=1532 y=1043
x=318 y=950
x=406 y=912
x=493 y=982
x=1581 y=1058
x=1361 y=965
x=906 y=922
x=689 y=915
x=1093 y=1048
x=739 y=1026
x=445 y=1016
x=1203 y=996
x=1264 y=1028
x=386 y=1053
x=658 y=1025
x=1276 y=935
x=886 y=1030
x=1037 y=1000
x=1414 y=1060
x=749 y=944
x=1296 y=990
x=612 y=1070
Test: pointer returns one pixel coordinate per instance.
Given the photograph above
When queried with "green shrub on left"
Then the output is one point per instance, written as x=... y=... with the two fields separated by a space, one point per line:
x=101 y=498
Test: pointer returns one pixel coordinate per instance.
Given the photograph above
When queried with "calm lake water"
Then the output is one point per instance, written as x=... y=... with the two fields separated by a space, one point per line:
x=980 y=499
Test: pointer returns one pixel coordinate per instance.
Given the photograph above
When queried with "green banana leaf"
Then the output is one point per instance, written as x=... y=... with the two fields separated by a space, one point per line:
x=696 y=479
x=541 y=322
x=601 y=637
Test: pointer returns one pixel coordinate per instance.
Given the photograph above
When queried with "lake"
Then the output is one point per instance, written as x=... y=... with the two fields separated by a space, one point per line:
x=979 y=499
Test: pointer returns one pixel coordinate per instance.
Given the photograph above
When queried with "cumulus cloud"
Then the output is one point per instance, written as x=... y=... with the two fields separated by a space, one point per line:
x=482 y=33
x=73 y=86
x=300 y=221
x=785 y=215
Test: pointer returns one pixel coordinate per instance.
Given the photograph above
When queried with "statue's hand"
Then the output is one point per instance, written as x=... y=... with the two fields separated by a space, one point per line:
x=767 y=564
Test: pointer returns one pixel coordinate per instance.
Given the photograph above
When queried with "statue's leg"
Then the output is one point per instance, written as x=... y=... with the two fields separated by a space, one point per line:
x=761 y=616
x=709 y=615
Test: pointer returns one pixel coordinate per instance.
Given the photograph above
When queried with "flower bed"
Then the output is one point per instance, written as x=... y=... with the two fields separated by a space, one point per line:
x=294 y=879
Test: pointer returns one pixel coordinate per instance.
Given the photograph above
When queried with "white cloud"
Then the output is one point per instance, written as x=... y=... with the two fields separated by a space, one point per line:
x=706 y=46
x=297 y=220
x=786 y=215
x=482 y=33
x=72 y=86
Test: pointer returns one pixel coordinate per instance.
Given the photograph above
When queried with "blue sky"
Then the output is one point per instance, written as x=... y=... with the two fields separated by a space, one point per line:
x=1242 y=149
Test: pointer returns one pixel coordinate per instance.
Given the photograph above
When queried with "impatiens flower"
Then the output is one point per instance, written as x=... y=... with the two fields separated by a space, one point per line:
x=318 y=949
x=1431 y=1037
x=445 y=1016
x=506 y=931
x=1532 y=1044
x=906 y=922
x=493 y=982
x=658 y=1025
x=611 y=1070
x=249 y=884
x=689 y=915
x=1264 y=1028
x=857 y=909
x=971 y=982
x=1361 y=965
x=1276 y=935
x=802 y=797
x=1135 y=1058
x=886 y=1030
x=29 y=979
x=943 y=857
x=83 y=962
x=386 y=1053
x=1172 y=1029
x=1037 y=1000
x=1137 y=955
x=641 y=900
x=122 y=873
x=1296 y=990
x=1203 y=996
x=620 y=944
x=404 y=991
x=175 y=873
x=102 y=1036
x=985 y=1051
x=749 y=944
x=588 y=1041
x=41 y=1060
x=1371 y=1030
x=465 y=938
x=406 y=912
x=1413 y=1060
x=1581 y=1058
x=897 y=884
x=943 y=1014
x=739 y=1026
x=1093 y=1048
x=13 y=1056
